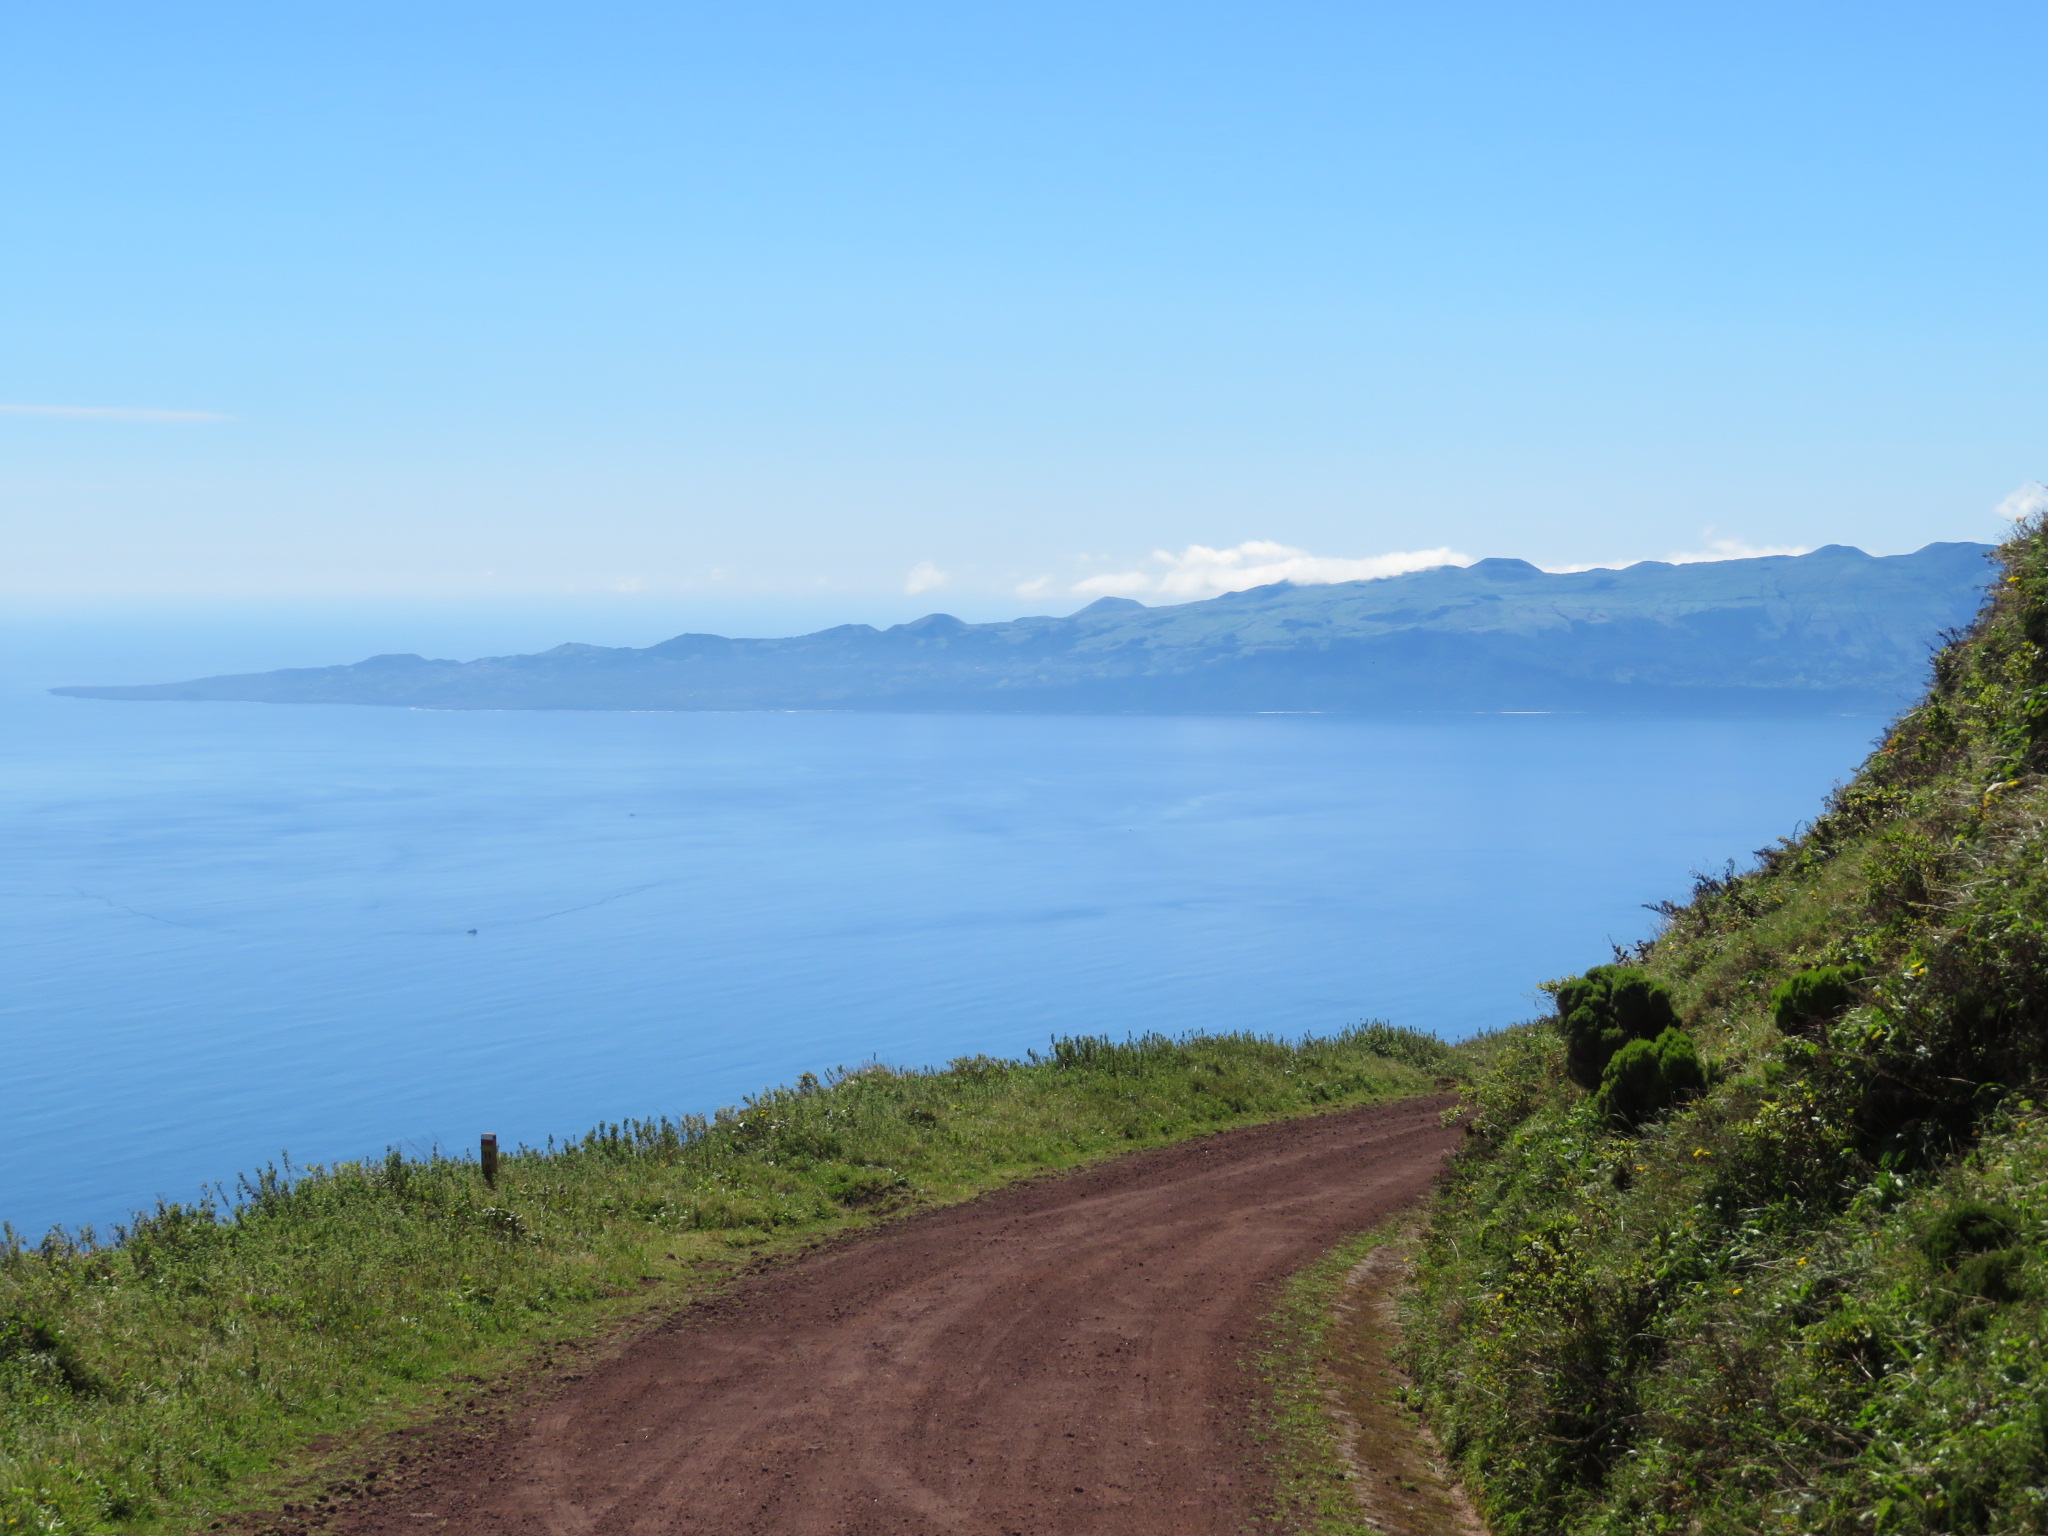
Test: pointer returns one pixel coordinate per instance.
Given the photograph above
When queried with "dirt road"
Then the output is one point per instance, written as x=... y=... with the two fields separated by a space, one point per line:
x=1062 y=1358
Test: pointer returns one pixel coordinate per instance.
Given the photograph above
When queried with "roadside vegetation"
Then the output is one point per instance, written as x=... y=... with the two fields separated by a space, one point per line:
x=1347 y=1453
x=184 y=1368
x=1750 y=1237
x=1312 y=1483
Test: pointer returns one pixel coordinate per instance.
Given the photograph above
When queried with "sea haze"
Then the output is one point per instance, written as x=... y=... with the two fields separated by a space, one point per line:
x=234 y=930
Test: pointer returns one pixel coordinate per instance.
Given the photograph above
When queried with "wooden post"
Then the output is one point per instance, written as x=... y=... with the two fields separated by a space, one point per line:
x=490 y=1161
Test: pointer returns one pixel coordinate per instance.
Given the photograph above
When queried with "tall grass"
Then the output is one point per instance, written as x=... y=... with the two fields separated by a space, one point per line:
x=183 y=1368
x=1756 y=1311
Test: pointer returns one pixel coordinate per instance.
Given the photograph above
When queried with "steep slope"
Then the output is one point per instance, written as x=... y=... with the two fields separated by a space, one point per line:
x=1833 y=630
x=1807 y=1293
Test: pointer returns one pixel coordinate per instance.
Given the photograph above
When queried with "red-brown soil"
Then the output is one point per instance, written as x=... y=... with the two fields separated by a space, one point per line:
x=1064 y=1357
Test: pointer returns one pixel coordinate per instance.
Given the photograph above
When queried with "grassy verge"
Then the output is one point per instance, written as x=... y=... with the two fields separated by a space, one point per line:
x=187 y=1367
x=1803 y=1289
x=1312 y=1478
x=1349 y=1452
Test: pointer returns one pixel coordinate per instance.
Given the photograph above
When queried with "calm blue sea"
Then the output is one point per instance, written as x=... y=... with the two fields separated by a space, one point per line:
x=231 y=931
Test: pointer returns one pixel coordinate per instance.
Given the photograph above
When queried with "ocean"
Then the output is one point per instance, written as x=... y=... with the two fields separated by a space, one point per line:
x=234 y=933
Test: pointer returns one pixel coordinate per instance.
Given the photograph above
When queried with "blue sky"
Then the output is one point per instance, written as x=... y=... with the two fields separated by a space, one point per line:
x=784 y=308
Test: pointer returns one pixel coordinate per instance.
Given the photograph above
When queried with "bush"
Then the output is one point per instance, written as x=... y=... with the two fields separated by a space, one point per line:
x=1646 y=1077
x=1991 y=1276
x=42 y=1354
x=1814 y=997
x=1605 y=1009
x=1966 y=1228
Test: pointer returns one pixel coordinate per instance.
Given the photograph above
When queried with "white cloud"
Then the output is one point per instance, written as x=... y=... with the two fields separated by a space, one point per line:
x=1717 y=549
x=2029 y=500
x=1199 y=571
x=1037 y=586
x=111 y=413
x=924 y=577
x=1734 y=549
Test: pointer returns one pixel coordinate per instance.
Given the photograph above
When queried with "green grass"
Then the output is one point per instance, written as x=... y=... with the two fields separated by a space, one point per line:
x=187 y=1368
x=1738 y=1317
x=1312 y=1485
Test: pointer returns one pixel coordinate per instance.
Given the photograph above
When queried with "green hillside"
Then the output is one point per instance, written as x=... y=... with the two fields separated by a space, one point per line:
x=1798 y=1285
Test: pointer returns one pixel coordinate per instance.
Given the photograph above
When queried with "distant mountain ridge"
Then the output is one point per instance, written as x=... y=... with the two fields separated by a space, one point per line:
x=1833 y=630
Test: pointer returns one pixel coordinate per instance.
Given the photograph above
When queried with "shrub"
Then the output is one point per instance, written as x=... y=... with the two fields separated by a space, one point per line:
x=1991 y=1276
x=1971 y=1246
x=1966 y=1228
x=1605 y=1009
x=42 y=1353
x=1646 y=1077
x=1814 y=997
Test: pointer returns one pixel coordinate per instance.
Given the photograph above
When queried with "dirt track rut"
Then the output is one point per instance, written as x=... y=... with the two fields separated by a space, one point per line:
x=1062 y=1358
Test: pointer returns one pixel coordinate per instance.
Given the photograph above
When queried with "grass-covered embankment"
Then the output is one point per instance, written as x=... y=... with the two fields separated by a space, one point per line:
x=1781 y=1268
x=1312 y=1489
x=1347 y=1455
x=184 y=1368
